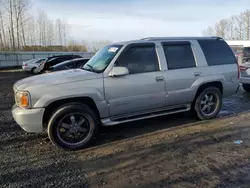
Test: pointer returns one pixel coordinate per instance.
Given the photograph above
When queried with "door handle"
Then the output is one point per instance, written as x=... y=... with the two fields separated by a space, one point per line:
x=159 y=78
x=197 y=74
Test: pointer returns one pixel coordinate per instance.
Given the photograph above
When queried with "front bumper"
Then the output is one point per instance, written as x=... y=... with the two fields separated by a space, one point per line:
x=31 y=120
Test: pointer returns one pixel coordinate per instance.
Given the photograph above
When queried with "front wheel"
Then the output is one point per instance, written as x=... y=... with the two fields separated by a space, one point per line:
x=208 y=103
x=73 y=126
x=246 y=87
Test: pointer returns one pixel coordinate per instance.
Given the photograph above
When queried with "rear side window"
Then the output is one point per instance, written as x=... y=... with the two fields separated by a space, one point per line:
x=179 y=55
x=217 y=52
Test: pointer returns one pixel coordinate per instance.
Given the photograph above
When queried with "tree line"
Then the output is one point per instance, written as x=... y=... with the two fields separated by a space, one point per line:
x=23 y=30
x=237 y=27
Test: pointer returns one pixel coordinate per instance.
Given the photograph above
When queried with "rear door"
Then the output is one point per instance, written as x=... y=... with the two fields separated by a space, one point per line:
x=182 y=72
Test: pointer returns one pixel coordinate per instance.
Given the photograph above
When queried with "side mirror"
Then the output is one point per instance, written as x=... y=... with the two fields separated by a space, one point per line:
x=118 y=71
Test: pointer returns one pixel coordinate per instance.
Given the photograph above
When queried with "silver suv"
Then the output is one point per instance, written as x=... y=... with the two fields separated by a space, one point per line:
x=125 y=82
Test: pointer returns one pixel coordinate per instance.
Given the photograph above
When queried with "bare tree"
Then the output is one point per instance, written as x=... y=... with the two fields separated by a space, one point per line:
x=209 y=31
x=9 y=9
x=42 y=22
x=247 y=24
x=20 y=29
x=231 y=27
x=221 y=28
x=2 y=37
x=236 y=27
x=31 y=32
x=20 y=8
x=59 y=31
x=65 y=29
x=61 y=28
x=97 y=45
x=239 y=27
x=50 y=33
x=15 y=11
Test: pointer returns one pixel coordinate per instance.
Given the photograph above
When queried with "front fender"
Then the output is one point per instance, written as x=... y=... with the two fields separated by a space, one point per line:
x=48 y=98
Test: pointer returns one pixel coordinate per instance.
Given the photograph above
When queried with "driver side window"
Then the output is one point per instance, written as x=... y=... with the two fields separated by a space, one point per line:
x=139 y=59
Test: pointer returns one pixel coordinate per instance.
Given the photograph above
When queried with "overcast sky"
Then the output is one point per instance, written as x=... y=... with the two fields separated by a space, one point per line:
x=117 y=20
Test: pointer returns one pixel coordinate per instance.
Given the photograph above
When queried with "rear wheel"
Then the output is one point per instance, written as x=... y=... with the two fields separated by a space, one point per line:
x=208 y=103
x=246 y=87
x=33 y=70
x=73 y=126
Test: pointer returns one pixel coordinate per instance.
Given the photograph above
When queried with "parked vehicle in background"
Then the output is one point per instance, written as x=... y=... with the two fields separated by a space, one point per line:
x=51 y=61
x=71 y=64
x=237 y=54
x=125 y=82
x=246 y=54
x=32 y=64
x=245 y=76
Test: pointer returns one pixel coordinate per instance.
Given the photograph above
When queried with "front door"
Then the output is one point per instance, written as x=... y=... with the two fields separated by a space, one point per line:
x=143 y=89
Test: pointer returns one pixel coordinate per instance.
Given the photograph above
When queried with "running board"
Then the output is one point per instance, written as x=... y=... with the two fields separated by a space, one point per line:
x=116 y=121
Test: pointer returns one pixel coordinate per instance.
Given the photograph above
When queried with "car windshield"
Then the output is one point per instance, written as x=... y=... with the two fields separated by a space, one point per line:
x=102 y=58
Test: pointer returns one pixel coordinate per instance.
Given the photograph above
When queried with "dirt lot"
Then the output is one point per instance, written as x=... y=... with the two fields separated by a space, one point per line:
x=171 y=151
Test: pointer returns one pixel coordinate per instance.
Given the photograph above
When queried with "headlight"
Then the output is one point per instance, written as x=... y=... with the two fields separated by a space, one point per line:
x=23 y=99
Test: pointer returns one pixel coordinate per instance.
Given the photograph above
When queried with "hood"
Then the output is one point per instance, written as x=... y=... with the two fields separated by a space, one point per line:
x=54 y=78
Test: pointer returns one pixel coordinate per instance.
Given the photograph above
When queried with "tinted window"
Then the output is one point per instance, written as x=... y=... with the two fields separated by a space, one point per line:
x=139 y=59
x=217 y=52
x=179 y=56
x=64 y=65
x=70 y=65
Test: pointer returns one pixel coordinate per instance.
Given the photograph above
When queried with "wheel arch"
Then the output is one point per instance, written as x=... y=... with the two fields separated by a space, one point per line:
x=217 y=84
x=56 y=104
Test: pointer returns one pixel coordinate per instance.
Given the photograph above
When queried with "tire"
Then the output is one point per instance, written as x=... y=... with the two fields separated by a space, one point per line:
x=33 y=70
x=61 y=120
x=203 y=112
x=246 y=87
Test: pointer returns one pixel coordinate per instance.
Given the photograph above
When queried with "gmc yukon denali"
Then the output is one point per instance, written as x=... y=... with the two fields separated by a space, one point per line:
x=125 y=82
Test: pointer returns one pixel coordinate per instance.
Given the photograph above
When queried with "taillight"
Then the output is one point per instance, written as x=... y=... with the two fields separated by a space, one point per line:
x=243 y=68
x=25 y=65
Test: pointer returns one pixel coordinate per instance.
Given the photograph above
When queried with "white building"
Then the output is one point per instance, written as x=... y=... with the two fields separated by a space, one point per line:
x=237 y=44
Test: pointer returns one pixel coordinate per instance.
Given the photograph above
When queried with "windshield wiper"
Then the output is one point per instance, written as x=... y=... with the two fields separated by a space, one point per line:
x=91 y=67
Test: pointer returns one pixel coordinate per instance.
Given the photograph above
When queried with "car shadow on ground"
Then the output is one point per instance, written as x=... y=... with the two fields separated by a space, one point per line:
x=128 y=130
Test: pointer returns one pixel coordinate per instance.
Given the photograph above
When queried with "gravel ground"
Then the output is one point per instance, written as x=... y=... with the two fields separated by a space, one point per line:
x=171 y=151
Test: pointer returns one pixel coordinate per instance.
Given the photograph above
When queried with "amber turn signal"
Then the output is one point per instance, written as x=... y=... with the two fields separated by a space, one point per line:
x=24 y=100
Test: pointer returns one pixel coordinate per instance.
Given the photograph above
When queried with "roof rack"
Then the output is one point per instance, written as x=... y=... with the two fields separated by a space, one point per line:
x=179 y=38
